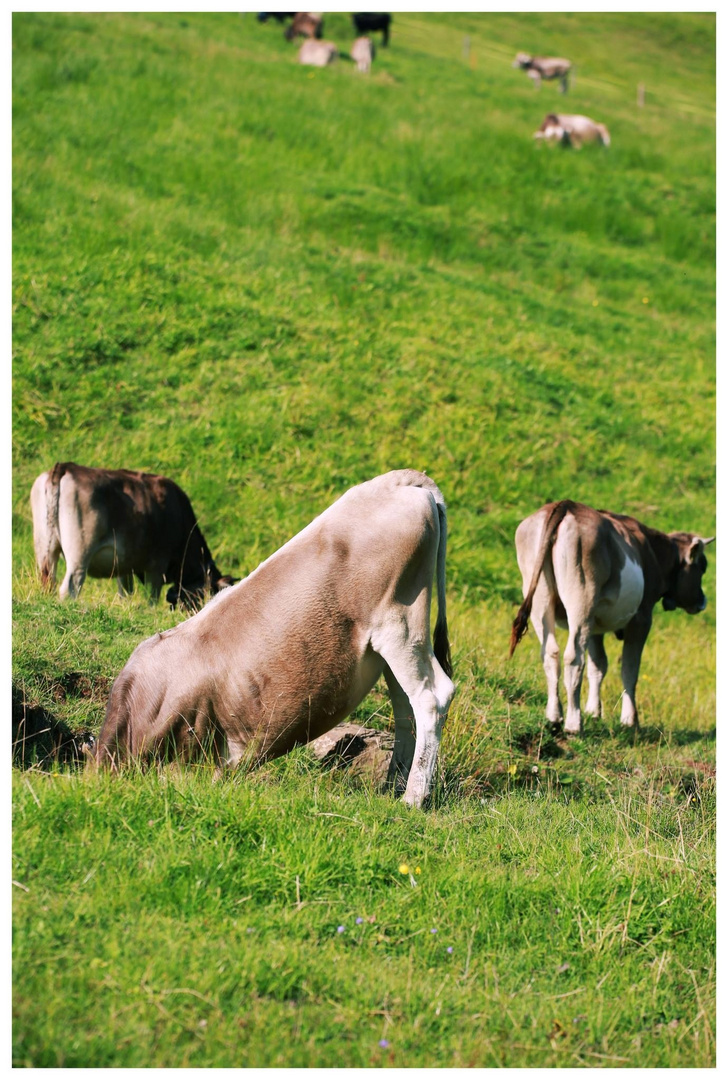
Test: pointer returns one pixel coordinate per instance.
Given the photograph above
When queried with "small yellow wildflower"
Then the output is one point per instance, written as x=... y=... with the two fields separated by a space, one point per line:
x=595 y=303
x=512 y=770
x=417 y=870
x=645 y=299
x=403 y=868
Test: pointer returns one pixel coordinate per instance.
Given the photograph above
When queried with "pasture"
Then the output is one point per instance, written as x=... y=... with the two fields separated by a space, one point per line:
x=270 y=283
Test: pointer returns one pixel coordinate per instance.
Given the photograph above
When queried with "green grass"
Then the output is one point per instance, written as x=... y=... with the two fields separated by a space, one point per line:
x=271 y=283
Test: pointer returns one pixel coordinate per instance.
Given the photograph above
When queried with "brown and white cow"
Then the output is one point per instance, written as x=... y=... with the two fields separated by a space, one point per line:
x=284 y=655
x=572 y=130
x=595 y=572
x=362 y=53
x=317 y=53
x=545 y=67
x=117 y=523
x=308 y=24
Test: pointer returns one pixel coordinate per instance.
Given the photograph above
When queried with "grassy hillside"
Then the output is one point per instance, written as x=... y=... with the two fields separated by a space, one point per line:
x=271 y=282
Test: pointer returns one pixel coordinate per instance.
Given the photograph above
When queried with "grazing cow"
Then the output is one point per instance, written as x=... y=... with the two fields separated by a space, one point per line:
x=117 y=523
x=368 y=22
x=318 y=53
x=289 y=651
x=595 y=572
x=545 y=67
x=362 y=53
x=308 y=24
x=572 y=130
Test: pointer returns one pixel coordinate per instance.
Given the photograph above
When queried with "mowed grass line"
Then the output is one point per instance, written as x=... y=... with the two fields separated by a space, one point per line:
x=581 y=933
x=272 y=283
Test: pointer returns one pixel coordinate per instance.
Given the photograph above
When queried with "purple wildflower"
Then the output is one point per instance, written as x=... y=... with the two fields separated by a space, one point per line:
x=340 y=929
x=384 y=1043
x=359 y=920
x=449 y=948
x=434 y=930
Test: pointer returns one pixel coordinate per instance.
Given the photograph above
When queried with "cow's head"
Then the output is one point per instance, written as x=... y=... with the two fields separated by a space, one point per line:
x=193 y=595
x=523 y=60
x=685 y=590
x=551 y=129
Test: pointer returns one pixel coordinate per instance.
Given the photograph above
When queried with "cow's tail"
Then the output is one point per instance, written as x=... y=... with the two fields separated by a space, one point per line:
x=604 y=134
x=556 y=515
x=441 y=641
x=44 y=500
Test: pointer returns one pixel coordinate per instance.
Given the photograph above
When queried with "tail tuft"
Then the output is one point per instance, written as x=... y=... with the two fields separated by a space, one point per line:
x=520 y=626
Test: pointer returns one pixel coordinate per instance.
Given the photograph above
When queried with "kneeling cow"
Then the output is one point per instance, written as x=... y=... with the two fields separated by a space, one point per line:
x=595 y=572
x=284 y=655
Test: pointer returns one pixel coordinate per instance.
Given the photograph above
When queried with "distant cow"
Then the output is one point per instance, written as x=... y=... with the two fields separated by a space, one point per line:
x=284 y=655
x=308 y=24
x=572 y=130
x=545 y=67
x=117 y=523
x=368 y=22
x=318 y=53
x=362 y=53
x=594 y=572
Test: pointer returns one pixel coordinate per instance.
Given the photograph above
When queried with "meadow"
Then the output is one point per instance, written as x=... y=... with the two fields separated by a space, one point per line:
x=270 y=283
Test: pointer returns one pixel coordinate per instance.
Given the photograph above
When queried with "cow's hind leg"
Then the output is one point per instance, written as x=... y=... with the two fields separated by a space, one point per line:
x=543 y=617
x=404 y=734
x=574 y=659
x=596 y=669
x=430 y=692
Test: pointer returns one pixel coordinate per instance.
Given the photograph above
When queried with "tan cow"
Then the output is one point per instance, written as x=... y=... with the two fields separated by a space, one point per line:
x=545 y=67
x=572 y=130
x=362 y=53
x=117 y=523
x=283 y=656
x=308 y=24
x=594 y=572
x=317 y=53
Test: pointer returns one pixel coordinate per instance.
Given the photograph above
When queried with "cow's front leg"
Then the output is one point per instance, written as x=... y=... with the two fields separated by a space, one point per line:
x=404 y=735
x=596 y=669
x=125 y=584
x=635 y=636
x=574 y=657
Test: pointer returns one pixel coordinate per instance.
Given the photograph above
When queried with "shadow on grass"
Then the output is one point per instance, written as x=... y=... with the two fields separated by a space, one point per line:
x=40 y=739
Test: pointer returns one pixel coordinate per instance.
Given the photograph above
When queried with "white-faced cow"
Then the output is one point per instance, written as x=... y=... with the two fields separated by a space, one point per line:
x=572 y=130
x=545 y=67
x=289 y=651
x=317 y=53
x=362 y=53
x=366 y=22
x=117 y=523
x=594 y=572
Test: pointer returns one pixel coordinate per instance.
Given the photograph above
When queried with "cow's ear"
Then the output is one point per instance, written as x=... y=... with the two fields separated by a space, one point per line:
x=696 y=547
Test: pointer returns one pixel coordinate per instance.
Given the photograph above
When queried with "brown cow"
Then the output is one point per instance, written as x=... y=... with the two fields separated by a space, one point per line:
x=117 y=523
x=287 y=653
x=545 y=67
x=594 y=572
x=308 y=24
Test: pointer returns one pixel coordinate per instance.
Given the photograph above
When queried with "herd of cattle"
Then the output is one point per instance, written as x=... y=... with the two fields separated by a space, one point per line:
x=278 y=658
x=568 y=129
